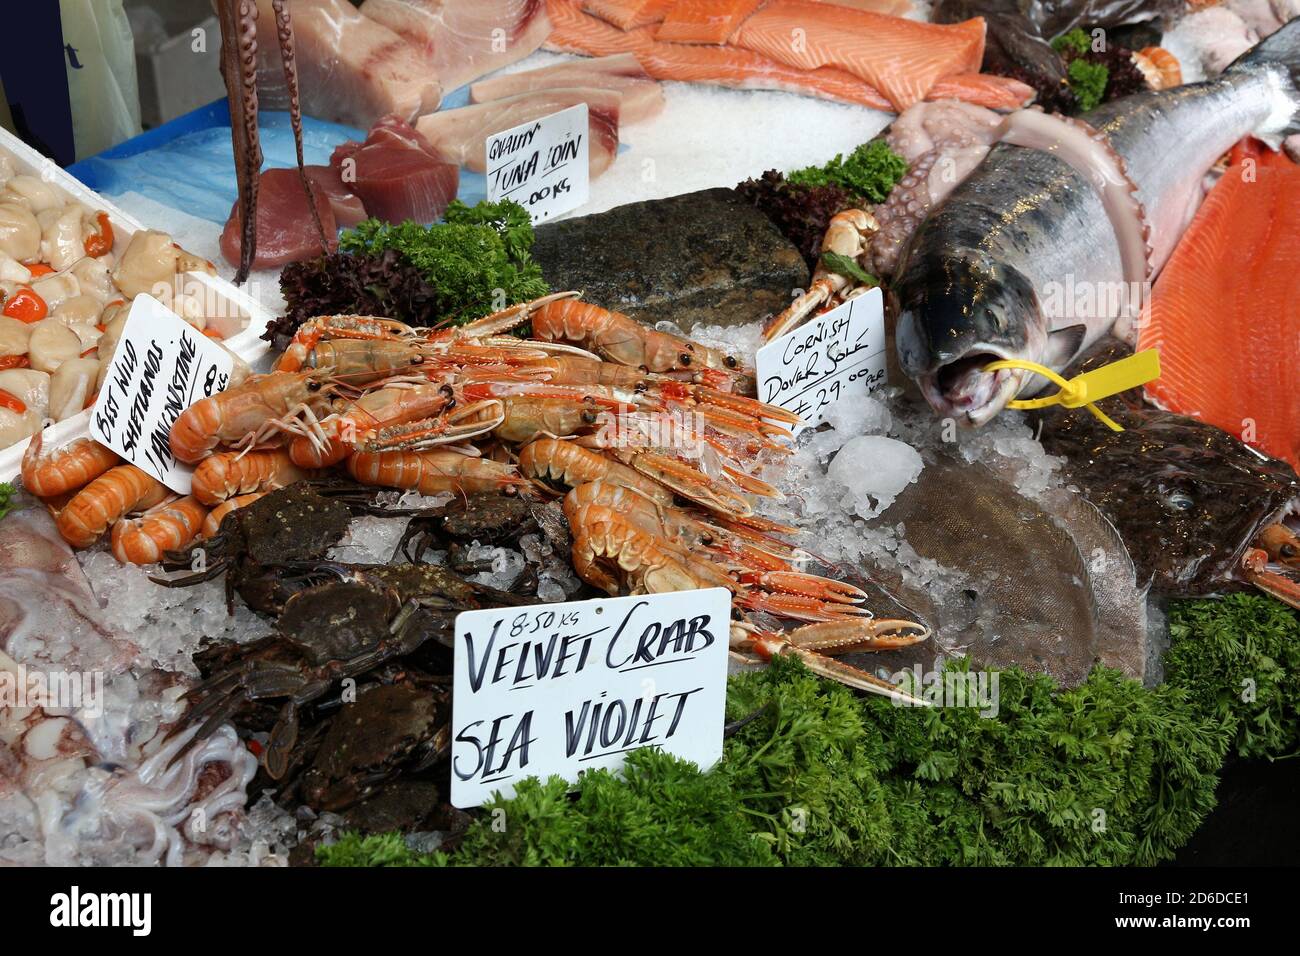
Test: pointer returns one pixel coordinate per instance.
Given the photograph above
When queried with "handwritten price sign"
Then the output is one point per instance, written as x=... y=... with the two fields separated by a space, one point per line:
x=560 y=688
x=836 y=357
x=541 y=165
x=162 y=366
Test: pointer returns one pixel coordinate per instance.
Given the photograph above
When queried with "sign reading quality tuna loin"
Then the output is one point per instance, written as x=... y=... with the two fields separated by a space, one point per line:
x=542 y=165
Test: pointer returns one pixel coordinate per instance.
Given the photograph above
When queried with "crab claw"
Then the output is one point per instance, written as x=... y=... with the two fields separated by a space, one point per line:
x=1255 y=568
x=844 y=637
x=693 y=484
x=767 y=645
x=508 y=318
x=806 y=585
x=799 y=607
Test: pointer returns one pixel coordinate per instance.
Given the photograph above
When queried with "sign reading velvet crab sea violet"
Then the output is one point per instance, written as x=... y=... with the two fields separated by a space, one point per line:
x=563 y=688
x=836 y=357
x=162 y=365
x=542 y=165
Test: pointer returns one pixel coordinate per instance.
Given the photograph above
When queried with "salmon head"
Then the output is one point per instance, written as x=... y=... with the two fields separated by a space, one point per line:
x=958 y=313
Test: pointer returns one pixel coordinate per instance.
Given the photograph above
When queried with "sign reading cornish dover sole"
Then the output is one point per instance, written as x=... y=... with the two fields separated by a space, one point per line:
x=836 y=357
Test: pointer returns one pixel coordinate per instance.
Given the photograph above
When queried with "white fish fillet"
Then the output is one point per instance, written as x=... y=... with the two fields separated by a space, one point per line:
x=460 y=135
x=350 y=69
x=461 y=40
x=643 y=97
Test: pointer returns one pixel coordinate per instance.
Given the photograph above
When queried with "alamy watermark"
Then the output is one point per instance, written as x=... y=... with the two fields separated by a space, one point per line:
x=53 y=690
x=977 y=690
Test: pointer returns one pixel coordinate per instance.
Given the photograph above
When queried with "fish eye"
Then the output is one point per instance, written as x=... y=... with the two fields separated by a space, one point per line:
x=1179 y=502
x=731 y=361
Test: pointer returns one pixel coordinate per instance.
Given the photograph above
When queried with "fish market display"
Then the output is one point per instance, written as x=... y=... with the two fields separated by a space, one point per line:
x=397 y=173
x=461 y=40
x=995 y=271
x=459 y=135
x=351 y=69
x=1233 y=365
x=642 y=97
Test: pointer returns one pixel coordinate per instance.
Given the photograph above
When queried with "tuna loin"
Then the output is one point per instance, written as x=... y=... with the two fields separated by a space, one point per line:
x=285 y=231
x=397 y=173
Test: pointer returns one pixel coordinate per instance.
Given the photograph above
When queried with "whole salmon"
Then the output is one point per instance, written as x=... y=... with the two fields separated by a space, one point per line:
x=1022 y=262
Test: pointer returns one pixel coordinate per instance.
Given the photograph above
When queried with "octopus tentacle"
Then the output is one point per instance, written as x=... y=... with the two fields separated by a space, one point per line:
x=238 y=19
x=288 y=58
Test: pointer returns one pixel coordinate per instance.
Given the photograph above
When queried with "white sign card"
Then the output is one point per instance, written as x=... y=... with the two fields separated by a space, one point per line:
x=542 y=165
x=836 y=357
x=562 y=688
x=162 y=366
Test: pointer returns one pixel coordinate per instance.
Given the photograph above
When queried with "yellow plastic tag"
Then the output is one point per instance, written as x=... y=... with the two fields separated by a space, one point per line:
x=1083 y=390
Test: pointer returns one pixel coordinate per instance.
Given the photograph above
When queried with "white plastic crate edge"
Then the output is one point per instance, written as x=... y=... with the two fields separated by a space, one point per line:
x=247 y=344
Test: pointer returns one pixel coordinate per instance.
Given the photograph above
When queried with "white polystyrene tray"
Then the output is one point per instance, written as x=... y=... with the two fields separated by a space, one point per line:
x=247 y=344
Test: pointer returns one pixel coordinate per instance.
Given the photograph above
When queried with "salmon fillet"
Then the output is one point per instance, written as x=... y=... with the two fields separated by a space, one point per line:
x=704 y=21
x=460 y=135
x=1224 y=313
x=729 y=66
x=642 y=97
x=895 y=8
x=628 y=14
x=901 y=58
x=461 y=40
x=573 y=31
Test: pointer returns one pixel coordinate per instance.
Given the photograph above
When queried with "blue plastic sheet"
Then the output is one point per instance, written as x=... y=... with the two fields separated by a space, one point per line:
x=187 y=164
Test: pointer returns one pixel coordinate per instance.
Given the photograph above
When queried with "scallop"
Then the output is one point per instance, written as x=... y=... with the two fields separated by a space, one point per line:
x=57 y=288
x=37 y=194
x=63 y=241
x=52 y=343
x=20 y=233
x=32 y=388
x=80 y=308
x=11 y=270
x=112 y=331
x=89 y=335
x=94 y=278
x=14 y=336
x=148 y=262
x=71 y=385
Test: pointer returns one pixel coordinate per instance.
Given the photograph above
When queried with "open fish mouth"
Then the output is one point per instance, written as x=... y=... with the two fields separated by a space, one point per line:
x=961 y=389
